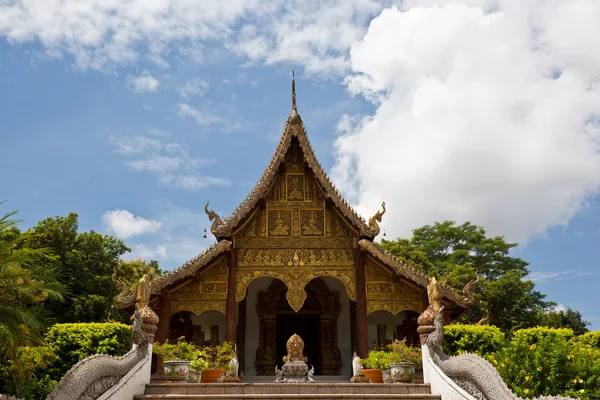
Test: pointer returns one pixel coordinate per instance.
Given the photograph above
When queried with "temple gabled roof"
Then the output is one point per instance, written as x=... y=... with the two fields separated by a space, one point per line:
x=223 y=229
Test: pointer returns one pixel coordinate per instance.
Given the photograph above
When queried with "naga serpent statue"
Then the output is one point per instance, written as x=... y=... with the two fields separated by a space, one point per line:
x=475 y=375
x=94 y=375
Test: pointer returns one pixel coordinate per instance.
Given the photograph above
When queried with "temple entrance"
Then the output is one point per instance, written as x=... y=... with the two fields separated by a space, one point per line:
x=308 y=327
x=315 y=323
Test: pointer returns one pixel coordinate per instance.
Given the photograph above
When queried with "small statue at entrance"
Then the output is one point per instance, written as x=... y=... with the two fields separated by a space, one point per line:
x=294 y=369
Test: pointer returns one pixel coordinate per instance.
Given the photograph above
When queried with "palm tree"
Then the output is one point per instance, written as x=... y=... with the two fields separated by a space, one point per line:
x=27 y=279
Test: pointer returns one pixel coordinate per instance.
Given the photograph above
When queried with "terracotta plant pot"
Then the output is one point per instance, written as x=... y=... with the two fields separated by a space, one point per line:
x=176 y=370
x=211 y=375
x=374 y=375
x=403 y=372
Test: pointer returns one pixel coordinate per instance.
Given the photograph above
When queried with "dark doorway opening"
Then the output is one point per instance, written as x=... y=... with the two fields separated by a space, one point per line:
x=308 y=327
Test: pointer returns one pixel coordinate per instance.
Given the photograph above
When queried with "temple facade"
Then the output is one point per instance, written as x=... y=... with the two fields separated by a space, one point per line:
x=294 y=257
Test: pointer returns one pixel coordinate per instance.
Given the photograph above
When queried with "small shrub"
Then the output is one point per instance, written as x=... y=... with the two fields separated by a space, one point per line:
x=377 y=360
x=478 y=339
x=181 y=350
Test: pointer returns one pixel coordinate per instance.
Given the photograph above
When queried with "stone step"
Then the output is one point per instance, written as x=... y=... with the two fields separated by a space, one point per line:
x=315 y=396
x=265 y=391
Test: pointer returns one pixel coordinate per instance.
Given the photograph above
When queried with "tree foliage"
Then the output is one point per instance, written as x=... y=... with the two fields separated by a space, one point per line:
x=27 y=279
x=88 y=259
x=564 y=318
x=456 y=254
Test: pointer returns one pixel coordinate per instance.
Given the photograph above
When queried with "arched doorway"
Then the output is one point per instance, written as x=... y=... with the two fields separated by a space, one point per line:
x=315 y=322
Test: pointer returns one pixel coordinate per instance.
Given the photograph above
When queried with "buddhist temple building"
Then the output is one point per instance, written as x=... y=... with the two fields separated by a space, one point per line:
x=294 y=257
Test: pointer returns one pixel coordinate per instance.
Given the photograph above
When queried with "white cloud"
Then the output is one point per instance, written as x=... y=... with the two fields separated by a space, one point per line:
x=486 y=116
x=142 y=83
x=169 y=161
x=124 y=224
x=193 y=87
x=546 y=276
x=127 y=145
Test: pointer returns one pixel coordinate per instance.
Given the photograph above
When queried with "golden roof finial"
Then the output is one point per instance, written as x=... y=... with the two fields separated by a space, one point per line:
x=293 y=92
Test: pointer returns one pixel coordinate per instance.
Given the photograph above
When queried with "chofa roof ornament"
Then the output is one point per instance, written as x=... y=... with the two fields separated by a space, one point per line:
x=374 y=228
x=214 y=218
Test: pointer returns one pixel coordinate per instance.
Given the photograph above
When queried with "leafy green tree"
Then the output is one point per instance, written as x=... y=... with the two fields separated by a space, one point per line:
x=88 y=259
x=28 y=278
x=129 y=272
x=564 y=319
x=456 y=254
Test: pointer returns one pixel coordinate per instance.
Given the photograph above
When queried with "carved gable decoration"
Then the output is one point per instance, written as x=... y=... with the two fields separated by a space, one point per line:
x=385 y=292
x=206 y=292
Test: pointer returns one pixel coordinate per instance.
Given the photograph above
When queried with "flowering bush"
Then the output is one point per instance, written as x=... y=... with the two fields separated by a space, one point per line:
x=545 y=361
x=400 y=352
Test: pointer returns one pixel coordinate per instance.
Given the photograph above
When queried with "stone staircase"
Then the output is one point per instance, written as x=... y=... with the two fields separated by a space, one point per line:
x=273 y=391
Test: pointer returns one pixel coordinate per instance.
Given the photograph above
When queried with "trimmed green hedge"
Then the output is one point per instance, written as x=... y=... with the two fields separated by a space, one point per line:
x=478 y=339
x=74 y=342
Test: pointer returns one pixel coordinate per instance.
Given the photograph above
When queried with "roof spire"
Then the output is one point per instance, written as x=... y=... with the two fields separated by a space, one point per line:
x=293 y=92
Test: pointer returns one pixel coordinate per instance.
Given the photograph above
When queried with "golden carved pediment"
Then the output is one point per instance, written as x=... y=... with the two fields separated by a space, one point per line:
x=386 y=292
x=206 y=292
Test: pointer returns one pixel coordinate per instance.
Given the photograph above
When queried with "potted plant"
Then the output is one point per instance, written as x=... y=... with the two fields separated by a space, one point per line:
x=197 y=365
x=375 y=362
x=404 y=360
x=230 y=376
x=218 y=359
x=176 y=358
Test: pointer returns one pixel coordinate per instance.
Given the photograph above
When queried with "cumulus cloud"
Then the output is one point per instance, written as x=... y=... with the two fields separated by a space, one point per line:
x=124 y=224
x=483 y=113
x=142 y=83
x=170 y=162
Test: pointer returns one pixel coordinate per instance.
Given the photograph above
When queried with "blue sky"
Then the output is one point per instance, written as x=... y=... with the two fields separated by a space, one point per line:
x=134 y=115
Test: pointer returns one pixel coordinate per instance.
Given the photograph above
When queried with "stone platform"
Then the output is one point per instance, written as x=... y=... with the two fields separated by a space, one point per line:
x=264 y=391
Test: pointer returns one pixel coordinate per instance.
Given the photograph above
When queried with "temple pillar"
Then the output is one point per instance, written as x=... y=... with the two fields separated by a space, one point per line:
x=164 y=324
x=362 y=337
x=230 y=307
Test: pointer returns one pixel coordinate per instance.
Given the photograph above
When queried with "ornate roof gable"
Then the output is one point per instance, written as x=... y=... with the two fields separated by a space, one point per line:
x=223 y=229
